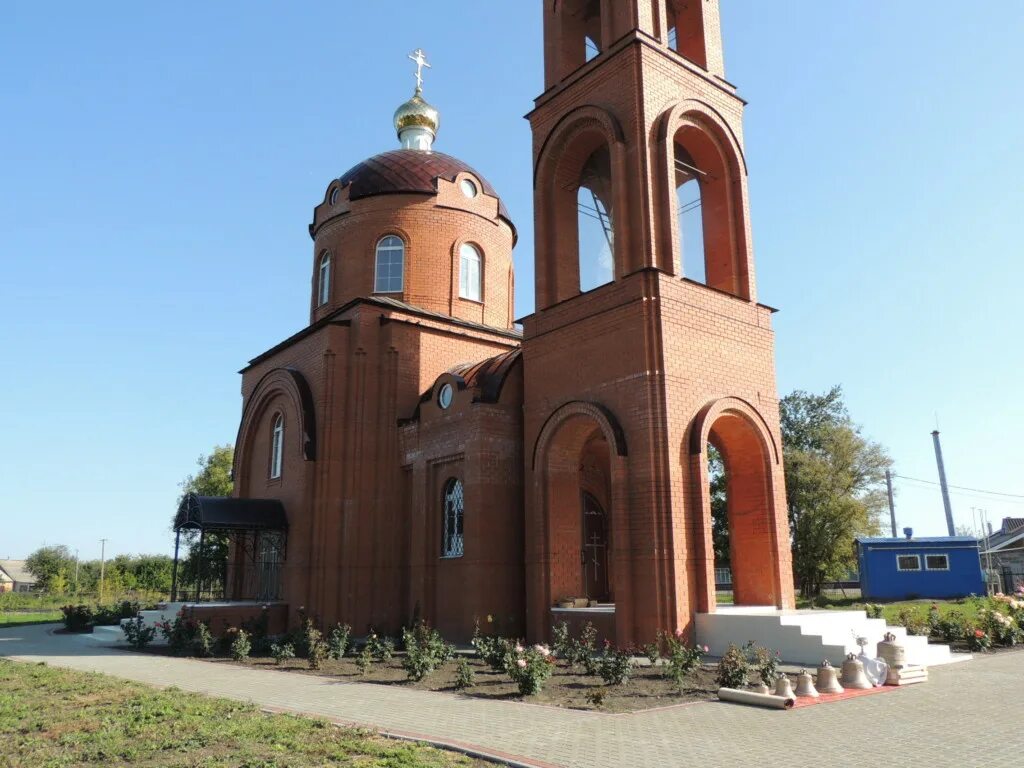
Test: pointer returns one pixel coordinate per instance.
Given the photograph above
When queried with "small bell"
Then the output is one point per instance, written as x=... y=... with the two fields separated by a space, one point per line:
x=805 y=685
x=853 y=673
x=760 y=688
x=783 y=687
x=827 y=682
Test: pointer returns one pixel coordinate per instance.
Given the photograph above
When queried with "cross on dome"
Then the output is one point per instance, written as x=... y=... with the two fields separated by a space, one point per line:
x=420 y=57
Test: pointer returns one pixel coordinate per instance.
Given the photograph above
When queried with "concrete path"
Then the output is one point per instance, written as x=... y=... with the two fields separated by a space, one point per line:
x=968 y=714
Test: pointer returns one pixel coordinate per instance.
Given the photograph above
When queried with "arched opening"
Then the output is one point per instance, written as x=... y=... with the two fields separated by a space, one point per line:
x=595 y=227
x=689 y=215
x=277 y=447
x=709 y=229
x=740 y=509
x=453 y=506
x=578 y=488
x=684 y=25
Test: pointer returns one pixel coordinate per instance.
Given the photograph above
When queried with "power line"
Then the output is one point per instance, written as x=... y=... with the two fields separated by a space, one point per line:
x=962 y=488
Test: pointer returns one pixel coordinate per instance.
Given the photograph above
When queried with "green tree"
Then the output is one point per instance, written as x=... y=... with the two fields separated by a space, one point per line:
x=834 y=485
x=213 y=479
x=49 y=564
x=719 y=509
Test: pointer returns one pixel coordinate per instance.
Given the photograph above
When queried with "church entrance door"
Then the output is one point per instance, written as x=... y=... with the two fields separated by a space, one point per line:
x=595 y=549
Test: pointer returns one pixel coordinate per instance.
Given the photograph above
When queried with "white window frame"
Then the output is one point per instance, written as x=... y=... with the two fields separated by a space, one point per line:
x=453 y=517
x=277 y=448
x=324 y=280
x=471 y=264
x=392 y=248
x=908 y=570
x=937 y=554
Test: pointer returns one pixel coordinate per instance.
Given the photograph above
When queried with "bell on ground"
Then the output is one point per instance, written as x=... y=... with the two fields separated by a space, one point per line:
x=805 y=685
x=853 y=673
x=827 y=681
x=891 y=652
x=760 y=688
x=783 y=687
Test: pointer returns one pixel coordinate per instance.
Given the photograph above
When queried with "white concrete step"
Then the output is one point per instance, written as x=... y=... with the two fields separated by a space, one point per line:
x=809 y=636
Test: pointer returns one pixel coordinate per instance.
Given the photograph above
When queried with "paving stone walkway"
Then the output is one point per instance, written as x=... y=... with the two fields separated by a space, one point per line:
x=968 y=714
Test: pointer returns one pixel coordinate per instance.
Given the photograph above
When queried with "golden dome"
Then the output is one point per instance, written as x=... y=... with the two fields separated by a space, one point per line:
x=417 y=113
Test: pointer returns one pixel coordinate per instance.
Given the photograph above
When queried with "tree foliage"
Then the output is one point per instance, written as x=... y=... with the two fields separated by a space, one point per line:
x=50 y=566
x=55 y=570
x=834 y=485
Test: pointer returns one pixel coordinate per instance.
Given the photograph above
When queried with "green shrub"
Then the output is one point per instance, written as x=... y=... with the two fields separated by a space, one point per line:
x=615 y=665
x=381 y=647
x=464 y=677
x=978 y=640
x=915 y=623
x=496 y=652
x=874 y=611
x=203 y=641
x=578 y=652
x=257 y=630
x=77 y=617
x=530 y=668
x=682 y=660
x=653 y=652
x=111 y=615
x=765 y=663
x=951 y=628
x=364 y=660
x=338 y=640
x=241 y=646
x=425 y=651
x=282 y=652
x=137 y=633
x=733 y=668
x=180 y=633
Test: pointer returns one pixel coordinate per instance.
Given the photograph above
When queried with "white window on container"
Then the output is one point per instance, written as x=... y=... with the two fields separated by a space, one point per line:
x=936 y=562
x=908 y=562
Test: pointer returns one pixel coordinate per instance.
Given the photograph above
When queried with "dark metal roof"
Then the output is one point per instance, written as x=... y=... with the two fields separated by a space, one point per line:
x=905 y=542
x=225 y=513
x=488 y=376
x=411 y=170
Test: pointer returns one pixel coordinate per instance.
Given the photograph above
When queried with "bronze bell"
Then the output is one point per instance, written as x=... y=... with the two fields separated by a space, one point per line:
x=827 y=682
x=853 y=673
x=783 y=687
x=760 y=688
x=891 y=652
x=805 y=685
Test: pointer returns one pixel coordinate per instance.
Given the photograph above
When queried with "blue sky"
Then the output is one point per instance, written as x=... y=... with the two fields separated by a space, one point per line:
x=160 y=164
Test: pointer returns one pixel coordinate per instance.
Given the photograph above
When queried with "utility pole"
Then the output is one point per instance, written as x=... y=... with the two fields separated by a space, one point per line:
x=892 y=506
x=943 y=484
x=103 y=564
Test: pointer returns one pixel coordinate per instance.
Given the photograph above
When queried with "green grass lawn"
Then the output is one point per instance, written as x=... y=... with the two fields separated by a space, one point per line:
x=10 y=619
x=52 y=717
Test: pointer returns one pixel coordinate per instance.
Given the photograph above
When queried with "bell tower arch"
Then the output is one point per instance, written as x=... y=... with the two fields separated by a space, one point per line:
x=638 y=138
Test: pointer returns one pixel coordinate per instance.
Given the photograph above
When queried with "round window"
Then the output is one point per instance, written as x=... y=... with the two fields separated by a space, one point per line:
x=444 y=397
x=468 y=188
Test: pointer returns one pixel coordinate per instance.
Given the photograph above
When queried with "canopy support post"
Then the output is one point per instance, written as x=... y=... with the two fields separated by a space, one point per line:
x=174 y=576
x=201 y=565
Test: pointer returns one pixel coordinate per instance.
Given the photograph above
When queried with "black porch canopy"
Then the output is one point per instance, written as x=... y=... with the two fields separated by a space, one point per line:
x=255 y=529
x=225 y=513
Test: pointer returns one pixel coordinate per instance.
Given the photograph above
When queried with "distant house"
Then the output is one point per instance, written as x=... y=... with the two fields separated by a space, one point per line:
x=14 y=577
x=1004 y=549
x=938 y=567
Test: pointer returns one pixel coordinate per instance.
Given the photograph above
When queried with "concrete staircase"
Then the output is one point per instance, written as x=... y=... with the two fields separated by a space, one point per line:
x=149 y=619
x=808 y=637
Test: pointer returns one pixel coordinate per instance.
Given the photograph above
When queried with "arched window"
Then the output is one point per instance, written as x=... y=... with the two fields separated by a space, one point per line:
x=470 y=263
x=277 y=447
x=594 y=219
x=390 y=264
x=451 y=534
x=688 y=209
x=324 y=280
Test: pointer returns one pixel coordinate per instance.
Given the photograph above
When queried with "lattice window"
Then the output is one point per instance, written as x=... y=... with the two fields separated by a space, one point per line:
x=324 y=291
x=390 y=265
x=277 y=448
x=451 y=535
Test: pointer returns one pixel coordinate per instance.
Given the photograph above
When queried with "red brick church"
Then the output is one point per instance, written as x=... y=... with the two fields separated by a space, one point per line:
x=423 y=457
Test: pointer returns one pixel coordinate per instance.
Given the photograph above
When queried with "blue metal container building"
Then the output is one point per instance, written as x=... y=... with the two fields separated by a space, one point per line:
x=937 y=567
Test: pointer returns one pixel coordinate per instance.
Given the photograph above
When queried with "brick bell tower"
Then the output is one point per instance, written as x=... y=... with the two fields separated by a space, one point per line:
x=629 y=382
